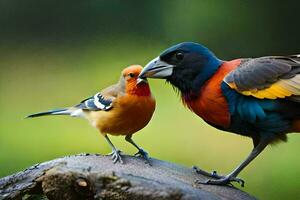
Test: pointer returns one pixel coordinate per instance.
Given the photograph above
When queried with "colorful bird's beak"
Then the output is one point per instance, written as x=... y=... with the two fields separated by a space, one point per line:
x=157 y=69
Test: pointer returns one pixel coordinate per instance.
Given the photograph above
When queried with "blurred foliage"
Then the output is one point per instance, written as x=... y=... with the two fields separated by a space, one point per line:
x=55 y=53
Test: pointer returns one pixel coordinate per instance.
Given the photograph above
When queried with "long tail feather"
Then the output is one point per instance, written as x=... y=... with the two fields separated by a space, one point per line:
x=64 y=111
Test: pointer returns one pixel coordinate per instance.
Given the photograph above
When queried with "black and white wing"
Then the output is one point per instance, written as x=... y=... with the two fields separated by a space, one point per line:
x=96 y=103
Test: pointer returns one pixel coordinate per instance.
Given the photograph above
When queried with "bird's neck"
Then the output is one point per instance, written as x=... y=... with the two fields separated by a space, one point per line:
x=141 y=89
x=189 y=88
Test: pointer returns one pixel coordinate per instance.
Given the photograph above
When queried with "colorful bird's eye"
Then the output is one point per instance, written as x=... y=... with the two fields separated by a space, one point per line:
x=131 y=75
x=179 y=56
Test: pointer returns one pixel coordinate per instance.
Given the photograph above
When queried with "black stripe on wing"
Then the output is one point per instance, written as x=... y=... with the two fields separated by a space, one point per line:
x=96 y=102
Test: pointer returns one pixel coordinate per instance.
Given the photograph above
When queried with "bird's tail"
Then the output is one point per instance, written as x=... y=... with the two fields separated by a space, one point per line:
x=63 y=111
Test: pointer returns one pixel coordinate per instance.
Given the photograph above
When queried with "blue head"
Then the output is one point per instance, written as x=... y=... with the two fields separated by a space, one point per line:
x=186 y=66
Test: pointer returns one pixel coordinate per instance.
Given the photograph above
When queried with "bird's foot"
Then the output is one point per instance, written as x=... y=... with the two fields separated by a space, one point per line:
x=143 y=154
x=213 y=174
x=116 y=156
x=227 y=180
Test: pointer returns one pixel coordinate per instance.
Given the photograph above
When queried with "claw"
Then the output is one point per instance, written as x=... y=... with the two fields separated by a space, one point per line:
x=239 y=181
x=213 y=174
x=218 y=179
x=224 y=181
x=143 y=154
x=116 y=156
x=201 y=182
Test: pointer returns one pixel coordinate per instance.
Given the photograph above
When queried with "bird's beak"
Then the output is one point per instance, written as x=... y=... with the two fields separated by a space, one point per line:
x=141 y=80
x=157 y=69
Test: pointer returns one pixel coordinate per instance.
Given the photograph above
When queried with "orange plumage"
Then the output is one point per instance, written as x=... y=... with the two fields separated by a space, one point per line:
x=121 y=109
x=211 y=105
x=133 y=106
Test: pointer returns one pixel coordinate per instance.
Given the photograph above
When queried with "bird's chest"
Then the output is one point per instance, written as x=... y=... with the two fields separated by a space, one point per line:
x=128 y=115
x=210 y=103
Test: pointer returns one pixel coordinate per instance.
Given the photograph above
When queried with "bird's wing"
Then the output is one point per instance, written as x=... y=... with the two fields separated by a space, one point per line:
x=269 y=77
x=101 y=101
x=95 y=103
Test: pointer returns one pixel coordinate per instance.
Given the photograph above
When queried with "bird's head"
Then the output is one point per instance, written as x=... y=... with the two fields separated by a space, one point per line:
x=186 y=66
x=133 y=84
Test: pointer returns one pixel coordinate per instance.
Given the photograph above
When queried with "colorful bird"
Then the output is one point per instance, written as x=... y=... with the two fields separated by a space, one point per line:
x=121 y=109
x=254 y=97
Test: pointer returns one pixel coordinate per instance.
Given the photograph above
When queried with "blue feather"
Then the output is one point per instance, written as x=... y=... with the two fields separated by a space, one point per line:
x=250 y=115
x=248 y=108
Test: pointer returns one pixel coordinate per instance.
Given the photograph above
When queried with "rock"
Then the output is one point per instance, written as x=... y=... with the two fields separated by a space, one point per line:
x=90 y=177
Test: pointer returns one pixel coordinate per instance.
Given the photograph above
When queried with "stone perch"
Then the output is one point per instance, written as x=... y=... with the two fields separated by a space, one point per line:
x=88 y=177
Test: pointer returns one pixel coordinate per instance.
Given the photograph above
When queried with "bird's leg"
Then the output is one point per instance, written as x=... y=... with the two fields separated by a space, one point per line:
x=232 y=177
x=115 y=154
x=141 y=152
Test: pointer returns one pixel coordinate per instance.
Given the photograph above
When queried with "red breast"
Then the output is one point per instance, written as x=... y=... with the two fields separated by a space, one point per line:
x=211 y=105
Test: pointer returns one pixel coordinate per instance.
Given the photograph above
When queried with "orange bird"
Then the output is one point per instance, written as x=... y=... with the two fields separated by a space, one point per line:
x=120 y=109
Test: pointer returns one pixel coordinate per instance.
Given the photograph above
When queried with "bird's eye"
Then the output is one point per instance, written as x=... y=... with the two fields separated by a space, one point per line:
x=131 y=75
x=179 y=56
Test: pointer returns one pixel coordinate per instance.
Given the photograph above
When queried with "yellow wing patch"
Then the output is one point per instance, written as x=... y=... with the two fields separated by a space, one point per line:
x=281 y=89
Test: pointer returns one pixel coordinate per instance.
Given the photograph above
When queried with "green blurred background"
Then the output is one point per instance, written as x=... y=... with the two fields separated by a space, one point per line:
x=55 y=53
